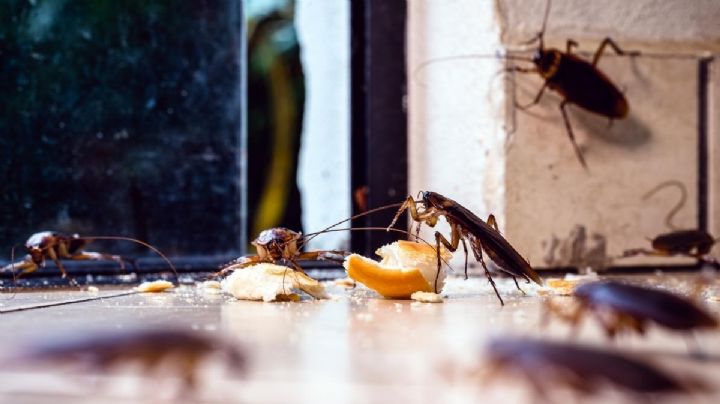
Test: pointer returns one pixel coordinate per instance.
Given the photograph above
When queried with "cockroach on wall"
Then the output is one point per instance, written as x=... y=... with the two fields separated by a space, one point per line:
x=693 y=243
x=57 y=246
x=578 y=81
x=465 y=225
x=623 y=307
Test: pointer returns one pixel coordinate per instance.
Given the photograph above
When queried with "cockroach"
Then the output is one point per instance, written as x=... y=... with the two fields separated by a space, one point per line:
x=154 y=350
x=693 y=243
x=583 y=369
x=277 y=245
x=466 y=226
x=578 y=81
x=620 y=307
x=280 y=245
x=56 y=246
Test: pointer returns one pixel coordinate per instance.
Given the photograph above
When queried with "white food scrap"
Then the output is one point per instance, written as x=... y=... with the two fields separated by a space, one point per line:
x=270 y=282
x=154 y=286
x=426 y=297
x=209 y=285
x=348 y=283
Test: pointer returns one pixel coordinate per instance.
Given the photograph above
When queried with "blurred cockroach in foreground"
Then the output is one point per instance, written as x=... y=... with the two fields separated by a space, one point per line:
x=465 y=225
x=56 y=246
x=178 y=353
x=693 y=243
x=585 y=370
x=620 y=307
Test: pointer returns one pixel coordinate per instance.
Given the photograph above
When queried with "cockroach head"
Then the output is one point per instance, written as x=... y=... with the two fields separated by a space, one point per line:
x=428 y=198
x=37 y=255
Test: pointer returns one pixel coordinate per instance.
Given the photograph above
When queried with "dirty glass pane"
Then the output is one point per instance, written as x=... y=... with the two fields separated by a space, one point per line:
x=122 y=118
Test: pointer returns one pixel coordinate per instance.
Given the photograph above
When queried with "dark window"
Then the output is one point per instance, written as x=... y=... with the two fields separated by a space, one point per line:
x=122 y=118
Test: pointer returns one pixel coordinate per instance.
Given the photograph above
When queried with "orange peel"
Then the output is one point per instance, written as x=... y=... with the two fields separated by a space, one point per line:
x=407 y=267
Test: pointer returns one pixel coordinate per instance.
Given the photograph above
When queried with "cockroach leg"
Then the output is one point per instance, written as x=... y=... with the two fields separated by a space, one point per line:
x=466 y=256
x=518 y=286
x=56 y=260
x=96 y=256
x=451 y=245
x=571 y=43
x=479 y=257
x=608 y=41
x=641 y=251
x=521 y=69
x=24 y=267
x=571 y=134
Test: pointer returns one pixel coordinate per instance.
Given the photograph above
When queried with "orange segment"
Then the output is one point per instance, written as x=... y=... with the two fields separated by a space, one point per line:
x=389 y=282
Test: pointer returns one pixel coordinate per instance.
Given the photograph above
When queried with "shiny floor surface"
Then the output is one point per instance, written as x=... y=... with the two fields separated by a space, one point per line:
x=354 y=347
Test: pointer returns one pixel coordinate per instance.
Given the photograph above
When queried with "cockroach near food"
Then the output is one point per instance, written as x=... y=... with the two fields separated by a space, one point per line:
x=466 y=226
x=280 y=245
x=277 y=245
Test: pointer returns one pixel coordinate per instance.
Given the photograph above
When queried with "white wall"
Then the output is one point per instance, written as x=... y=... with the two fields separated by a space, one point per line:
x=324 y=167
x=456 y=137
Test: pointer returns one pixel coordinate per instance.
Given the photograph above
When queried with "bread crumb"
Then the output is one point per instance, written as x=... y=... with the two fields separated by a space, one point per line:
x=270 y=282
x=426 y=297
x=209 y=285
x=347 y=283
x=154 y=287
x=561 y=287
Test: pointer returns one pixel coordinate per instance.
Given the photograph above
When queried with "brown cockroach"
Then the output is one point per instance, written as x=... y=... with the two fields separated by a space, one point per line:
x=620 y=307
x=56 y=246
x=578 y=81
x=280 y=245
x=583 y=369
x=690 y=243
x=275 y=246
x=693 y=243
x=153 y=350
x=465 y=225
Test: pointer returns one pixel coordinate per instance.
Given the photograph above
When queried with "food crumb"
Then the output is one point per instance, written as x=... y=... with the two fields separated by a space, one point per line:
x=154 y=287
x=561 y=287
x=209 y=285
x=347 y=283
x=426 y=297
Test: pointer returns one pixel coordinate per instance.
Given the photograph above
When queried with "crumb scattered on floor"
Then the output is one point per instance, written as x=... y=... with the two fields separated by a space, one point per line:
x=154 y=286
x=426 y=297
